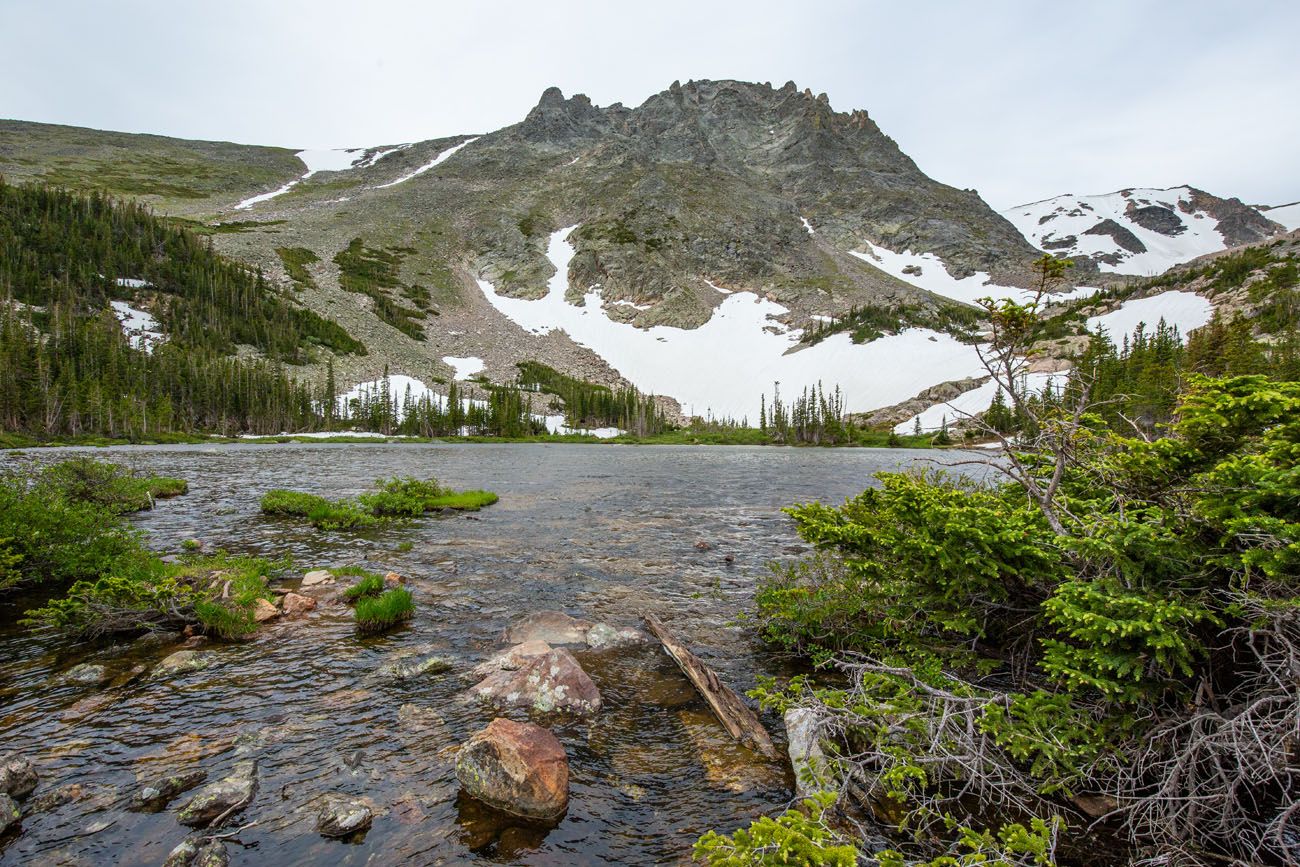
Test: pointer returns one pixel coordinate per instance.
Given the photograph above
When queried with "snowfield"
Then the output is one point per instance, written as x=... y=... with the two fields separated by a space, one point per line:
x=464 y=367
x=1287 y=215
x=1183 y=310
x=441 y=158
x=1058 y=218
x=316 y=160
x=141 y=328
x=929 y=273
x=724 y=367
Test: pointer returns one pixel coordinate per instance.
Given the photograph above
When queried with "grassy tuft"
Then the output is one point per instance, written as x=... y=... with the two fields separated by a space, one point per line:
x=282 y=502
x=376 y=614
x=370 y=585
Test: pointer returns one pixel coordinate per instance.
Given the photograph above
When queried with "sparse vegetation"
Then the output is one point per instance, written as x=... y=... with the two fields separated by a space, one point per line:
x=372 y=272
x=295 y=261
x=369 y=585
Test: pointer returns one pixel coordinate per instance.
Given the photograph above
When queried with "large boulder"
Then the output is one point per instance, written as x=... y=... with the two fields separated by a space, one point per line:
x=551 y=683
x=17 y=776
x=225 y=797
x=518 y=768
x=341 y=816
x=553 y=627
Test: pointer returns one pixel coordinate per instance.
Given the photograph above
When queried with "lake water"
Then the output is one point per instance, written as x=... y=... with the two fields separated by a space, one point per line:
x=602 y=532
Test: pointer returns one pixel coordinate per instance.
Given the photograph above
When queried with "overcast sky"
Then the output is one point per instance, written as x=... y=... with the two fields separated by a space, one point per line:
x=1020 y=100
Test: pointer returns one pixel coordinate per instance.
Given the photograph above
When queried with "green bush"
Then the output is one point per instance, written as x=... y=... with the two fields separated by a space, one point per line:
x=86 y=480
x=800 y=838
x=141 y=592
x=402 y=497
x=380 y=613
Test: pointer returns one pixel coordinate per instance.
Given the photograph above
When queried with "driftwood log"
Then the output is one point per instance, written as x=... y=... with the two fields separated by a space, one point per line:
x=736 y=717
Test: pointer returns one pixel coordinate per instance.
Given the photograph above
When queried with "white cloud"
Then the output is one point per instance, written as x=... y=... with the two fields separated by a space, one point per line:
x=1019 y=100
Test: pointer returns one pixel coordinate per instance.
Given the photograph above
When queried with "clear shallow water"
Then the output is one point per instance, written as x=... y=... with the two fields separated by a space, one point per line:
x=605 y=533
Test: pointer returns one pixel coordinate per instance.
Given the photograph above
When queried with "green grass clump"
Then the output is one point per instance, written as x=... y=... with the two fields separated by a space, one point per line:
x=403 y=497
x=376 y=614
x=163 y=487
x=340 y=515
x=282 y=502
x=467 y=501
x=370 y=585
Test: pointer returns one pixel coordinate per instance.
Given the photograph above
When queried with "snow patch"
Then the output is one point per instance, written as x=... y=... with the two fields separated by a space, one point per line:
x=131 y=283
x=464 y=367
x=971 y=403
x=316 y=160
x=1287 y=215
x=1058 y=218
x=717 y=288
x=1183 y=310
x=441 y=158
x=807 y=225
x=728 y=364
x=927 y=271
x=142 y=330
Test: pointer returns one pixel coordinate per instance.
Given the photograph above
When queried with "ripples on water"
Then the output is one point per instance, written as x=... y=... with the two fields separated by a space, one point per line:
x=600 y=532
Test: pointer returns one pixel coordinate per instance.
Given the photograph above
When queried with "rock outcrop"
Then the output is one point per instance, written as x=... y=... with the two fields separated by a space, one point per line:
x=221 y=799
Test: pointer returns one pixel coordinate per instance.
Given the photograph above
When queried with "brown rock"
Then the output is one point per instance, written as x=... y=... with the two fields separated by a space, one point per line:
x=296 y=603
x=518 y=768
x=551 y=683
x=265 y=611
x=392 y=579
x=1095 y=806
x=554 y=627
x=511 y=659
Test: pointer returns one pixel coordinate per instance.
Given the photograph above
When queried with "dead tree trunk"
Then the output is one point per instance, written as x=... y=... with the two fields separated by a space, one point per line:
x=735 y=716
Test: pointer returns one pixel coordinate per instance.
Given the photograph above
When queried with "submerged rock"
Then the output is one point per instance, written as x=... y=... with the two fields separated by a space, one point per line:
x=86 y=674
x=53 y=799
x=17 y=776
x=341 y=816
x=552 y=682
x=155 y=794
x=727 y=764
x=518 y=768
x=226 y=796
x=10 y=815
x=602 y=636
x=410 y=664
x=198 y=852
x=183 y=661
x=553 y=627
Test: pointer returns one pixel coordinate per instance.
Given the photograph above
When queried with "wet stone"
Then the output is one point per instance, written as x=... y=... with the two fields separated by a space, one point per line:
x=198 y=852
x=226 y=796
x=602 y=636
x=86 y=674
x=553 y=627
x=341 y=816
x=17 y=776
x=296 y=604
x=410 y=664
x=10 y=815
x=551 y=683
x=183 y=661
x=518 y=768
x=155 y=794
x=53 y=799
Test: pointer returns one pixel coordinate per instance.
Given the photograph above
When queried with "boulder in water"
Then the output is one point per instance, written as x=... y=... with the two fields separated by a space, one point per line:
x=183 y=661
x=10 y=815
x=198 y=852
x=341 y=816
x=86 y=674
x=317 y=577
x=264 y=611
x=410 y=664
x=225 y=797
x=17 y=776
x=296 y=603
x=602 y=636
x=53 y=799
x=553 y=627
x=511 y=659
x=550 y=683
x=155 y=794
x=518 y=768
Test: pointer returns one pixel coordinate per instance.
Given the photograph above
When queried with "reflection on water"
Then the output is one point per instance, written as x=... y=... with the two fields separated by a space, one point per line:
x=602 y=532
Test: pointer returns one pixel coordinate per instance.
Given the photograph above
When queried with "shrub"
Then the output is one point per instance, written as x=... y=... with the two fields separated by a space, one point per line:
x=379 y=613
x=86 y=480
x=403 y=497
x=800 y=838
